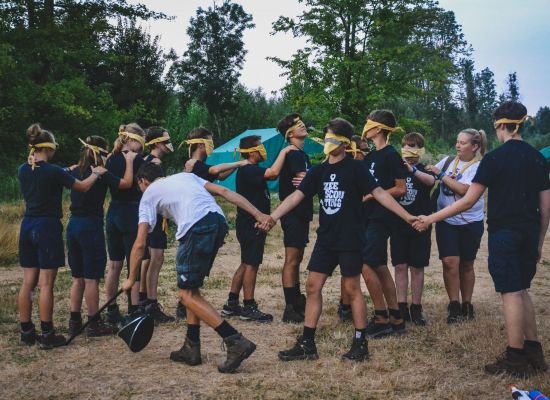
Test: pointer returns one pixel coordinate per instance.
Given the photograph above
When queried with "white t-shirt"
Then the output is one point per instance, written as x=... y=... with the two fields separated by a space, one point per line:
x=447 y=197
x=181 y=198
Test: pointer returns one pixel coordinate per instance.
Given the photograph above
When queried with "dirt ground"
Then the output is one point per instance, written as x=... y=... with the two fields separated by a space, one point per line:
x=438 y=361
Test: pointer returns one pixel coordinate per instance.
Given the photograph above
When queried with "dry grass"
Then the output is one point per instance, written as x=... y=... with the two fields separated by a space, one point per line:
x=428 y=363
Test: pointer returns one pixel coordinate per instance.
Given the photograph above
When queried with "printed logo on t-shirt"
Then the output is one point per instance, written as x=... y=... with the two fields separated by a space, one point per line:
x=332 y=200
x=410 y=196
x=371 y=169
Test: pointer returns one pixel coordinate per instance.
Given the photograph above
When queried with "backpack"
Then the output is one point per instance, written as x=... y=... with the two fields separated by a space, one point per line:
x=437 y=187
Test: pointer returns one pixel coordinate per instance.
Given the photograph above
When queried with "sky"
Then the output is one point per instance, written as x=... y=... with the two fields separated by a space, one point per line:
x=506 y=35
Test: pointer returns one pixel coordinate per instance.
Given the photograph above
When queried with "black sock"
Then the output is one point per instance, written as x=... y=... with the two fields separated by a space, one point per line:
x=26 y=326
x=345 y=307
x=132 y=308
x=46 y=326
x=225 y=330
x=112 y=307
x=360 y=333
x=76 y=316
x=142 y=296
x=250 y=302
x=381 y=313
x=233 y=296
x=396 y=313
x=309 y=333
x=152 y=301
x=515 y=350
x=193 y=332
x=532 y=343
x=290 y=295
x=297 y=289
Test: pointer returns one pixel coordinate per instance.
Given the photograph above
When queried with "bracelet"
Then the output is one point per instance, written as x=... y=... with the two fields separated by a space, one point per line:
x=441 y=176
x=414 y=169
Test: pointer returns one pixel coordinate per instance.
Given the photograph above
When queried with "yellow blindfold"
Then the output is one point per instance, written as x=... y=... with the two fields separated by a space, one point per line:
x=518 y=122
x=133 y=136
x=161 y=139
x=298 y=123
x=208 y=144
x=33 y=147
x=373 y=124
x=260 y=149
x=333 y=141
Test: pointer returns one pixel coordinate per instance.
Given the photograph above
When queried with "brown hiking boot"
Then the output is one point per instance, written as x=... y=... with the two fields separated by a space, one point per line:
x=190 y=353
x=99 y=328
x=239 y=348
x=535 y=355
x=511 y=363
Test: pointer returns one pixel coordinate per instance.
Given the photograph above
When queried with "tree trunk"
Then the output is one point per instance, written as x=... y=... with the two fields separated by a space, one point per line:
x=31 y=13
x=48 y=12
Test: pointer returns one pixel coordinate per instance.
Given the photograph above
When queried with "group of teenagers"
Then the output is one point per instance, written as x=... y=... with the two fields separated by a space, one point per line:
x=365 y=198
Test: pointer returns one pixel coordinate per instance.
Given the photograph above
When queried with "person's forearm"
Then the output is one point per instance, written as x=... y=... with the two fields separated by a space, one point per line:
x=127 y=179
x=240 y=202
x=136 y=256
x=456 y=187
x=396 y=192
x=426 y=179
x=86 y=184
x=224 y=168
x=287 y=205
x=274 y=171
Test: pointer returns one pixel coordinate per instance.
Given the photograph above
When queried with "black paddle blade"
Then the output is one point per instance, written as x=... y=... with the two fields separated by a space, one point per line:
x=138 y=332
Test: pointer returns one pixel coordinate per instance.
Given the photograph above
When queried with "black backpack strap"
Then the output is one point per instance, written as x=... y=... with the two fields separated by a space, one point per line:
x=448 y=162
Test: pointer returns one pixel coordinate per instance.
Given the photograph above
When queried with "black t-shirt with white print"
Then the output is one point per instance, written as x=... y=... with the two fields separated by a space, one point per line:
x=385 y=165
x=416 y=200
x=251 y=184
x=296 y=161
x=340 y=187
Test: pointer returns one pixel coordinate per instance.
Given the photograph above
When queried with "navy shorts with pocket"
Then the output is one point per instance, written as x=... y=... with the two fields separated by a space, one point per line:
x=197 y=250
x=87 y=255
x=513 y=258
x=410 y=248
x=121 y=227
x=375 y=251
x=459 y=240
x=156 y=239
x=252 y=242
x=324 y=261
x=295 y=231
x=41 y=243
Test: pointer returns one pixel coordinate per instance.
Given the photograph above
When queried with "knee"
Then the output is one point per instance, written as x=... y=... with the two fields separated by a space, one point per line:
x=312 y=289
x=186 y=295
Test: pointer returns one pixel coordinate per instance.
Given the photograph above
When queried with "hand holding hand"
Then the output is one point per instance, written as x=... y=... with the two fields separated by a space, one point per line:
x=264 y=222
x=423 y=223
x=99 y=170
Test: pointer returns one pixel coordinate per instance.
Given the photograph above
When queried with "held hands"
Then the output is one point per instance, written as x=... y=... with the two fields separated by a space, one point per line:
x=127 y=285
x=99 y=170
x=422 y=223
x=265 y=222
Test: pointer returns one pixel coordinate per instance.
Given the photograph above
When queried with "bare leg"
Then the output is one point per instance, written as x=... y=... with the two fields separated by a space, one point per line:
x=238 y=277
x=291 y=267
x=77 y=291
x=112 y=278
x=199 y=308
x=451 y=277
x=417 y=284
x=155 y=264
x=249 y=281
x=314 y=301
x=514 y=319
x=46 y=280
x=388 y=286
x=143 y=276
x=30 y=280
x=352 y=286
x=467 y=280
x=91 y=294
x=529 y=321
x=402 y=282
x=374 y=287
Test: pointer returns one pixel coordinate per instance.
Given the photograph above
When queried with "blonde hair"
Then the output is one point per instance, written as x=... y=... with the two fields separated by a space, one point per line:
x=477 y=137
x=122 y=140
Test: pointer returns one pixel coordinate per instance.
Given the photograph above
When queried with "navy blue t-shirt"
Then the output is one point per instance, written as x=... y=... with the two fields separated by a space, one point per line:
x=90 y=203
x=514 y=174
x=296 y=161
x=385 y=165
x=116 y=164
x=251 y=184
x=341 y=188
x=201 y=170
x=416 y=200
x=42 y=188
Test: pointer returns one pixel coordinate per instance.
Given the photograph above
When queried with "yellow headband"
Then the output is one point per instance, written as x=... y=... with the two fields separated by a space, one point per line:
x=133 y=136
x=259 y=148
x=518 y=122
x=161 y=139
x=96 y=150
x=333 y=141
x=412 y=153
x=298 y=123
x=208 y=143
x=354 y=150
x=33 y=147
x=373 y=124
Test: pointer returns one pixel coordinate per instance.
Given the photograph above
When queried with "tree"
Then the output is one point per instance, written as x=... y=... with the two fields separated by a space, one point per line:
x=365 y=54
x=486 y=98
x=542 y=120
x=470 y=94
x=512 y=91
x=210 y=68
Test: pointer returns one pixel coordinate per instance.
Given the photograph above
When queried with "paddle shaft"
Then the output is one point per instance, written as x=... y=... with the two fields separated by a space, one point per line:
x=90 y=319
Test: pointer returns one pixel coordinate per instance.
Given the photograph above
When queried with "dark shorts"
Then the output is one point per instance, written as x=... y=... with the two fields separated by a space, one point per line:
x=197 y=250
x=325 y=261
x=513 y=258
x=156 y=239
x=86 y=247
x=411 y=249
x=41 y=243
x=295 y=231
x=121 y=228
x=252 y=243
x=459 y=240
x=375 y=251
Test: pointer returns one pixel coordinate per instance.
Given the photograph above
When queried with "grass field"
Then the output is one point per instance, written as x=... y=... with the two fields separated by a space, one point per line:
x=435 y=362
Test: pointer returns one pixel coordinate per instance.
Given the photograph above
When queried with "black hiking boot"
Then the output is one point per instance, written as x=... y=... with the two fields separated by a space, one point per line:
x=304 y=349
x=454 y=312
x=181 y=311
x=467 y=311
x=190 y=353
x=113 y=317
x=74 y=327
x=99 y=328
x=49 y=340
x=344 y=313
x=417 y=317
x=252 y=313
x=239 y=349
x=291 y=315
x=377 y=329
x=405 y=313
x=535 y=355
x=359 y=351
x=510 y=363
x=28 y=338
x=231 y=308
x=154 y=310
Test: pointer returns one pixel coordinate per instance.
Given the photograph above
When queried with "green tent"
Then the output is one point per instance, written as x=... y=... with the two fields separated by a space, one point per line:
x=273 y=142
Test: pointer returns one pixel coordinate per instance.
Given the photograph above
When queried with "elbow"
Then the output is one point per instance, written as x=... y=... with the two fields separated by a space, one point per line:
x=214 y=171
x=124 y=184
x=402 y=191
